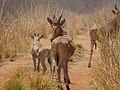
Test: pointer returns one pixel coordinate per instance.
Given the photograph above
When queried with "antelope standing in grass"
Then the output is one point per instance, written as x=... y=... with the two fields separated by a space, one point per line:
x=113 y=31
x=40 y=53
x=61 y=47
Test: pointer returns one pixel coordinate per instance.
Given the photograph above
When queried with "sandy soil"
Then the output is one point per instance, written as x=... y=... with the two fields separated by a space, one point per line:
x=80 y=74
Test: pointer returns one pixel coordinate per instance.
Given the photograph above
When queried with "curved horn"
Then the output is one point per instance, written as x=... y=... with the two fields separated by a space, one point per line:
x=38 y=35
x=116 y=7
x=54 y=12
x=34 y=34
x=31 y=36
x=61 y=14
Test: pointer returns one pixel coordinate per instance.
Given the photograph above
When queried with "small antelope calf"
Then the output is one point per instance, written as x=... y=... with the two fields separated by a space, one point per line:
x=113 y=30
x=40 y=53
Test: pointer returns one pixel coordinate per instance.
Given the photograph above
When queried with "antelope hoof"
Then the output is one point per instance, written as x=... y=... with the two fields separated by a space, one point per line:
x=68 y=81
x=34 y=70
x=44 y=71
x=60 y=87
x=67 y=87
x=38 y=70
x=64 y=80
x=59 y=80
x=89 y=65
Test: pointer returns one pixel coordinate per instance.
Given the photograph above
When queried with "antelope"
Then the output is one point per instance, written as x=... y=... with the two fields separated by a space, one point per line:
x=113 y=31
x=62 y=47
x=40 y=53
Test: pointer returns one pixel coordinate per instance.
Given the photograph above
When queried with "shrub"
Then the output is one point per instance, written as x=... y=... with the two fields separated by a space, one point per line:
x=22 y=79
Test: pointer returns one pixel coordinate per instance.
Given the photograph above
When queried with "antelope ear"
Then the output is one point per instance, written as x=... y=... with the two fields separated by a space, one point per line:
x=114 y=12
x=49 y=20
x=40 y=37
x=62 y=22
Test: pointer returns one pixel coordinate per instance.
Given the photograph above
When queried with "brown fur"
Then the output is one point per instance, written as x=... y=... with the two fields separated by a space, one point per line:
x=40 y=53
x=62 y=48
x=113 y=31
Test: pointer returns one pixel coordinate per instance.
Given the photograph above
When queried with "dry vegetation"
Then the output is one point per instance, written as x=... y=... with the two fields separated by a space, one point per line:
x=106 y=70
x=14 y=39
x=22 y=79
x=16 y=27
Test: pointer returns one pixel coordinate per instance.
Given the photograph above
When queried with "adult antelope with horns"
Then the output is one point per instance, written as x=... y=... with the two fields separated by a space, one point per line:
x=113 y=27
x=62 y=47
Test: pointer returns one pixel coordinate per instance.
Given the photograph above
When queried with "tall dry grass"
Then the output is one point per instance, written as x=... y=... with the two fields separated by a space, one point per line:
x=15 y=27
x=23 y=79
x=106 y=70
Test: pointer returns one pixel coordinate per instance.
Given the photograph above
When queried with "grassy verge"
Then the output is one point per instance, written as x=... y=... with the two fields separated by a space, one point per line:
x=22 y=79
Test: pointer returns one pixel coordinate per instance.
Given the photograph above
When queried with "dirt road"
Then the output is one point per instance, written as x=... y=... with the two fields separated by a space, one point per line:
x=80 y=74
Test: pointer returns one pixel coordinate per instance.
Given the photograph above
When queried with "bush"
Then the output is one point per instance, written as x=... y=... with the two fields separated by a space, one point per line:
x=22 y=79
